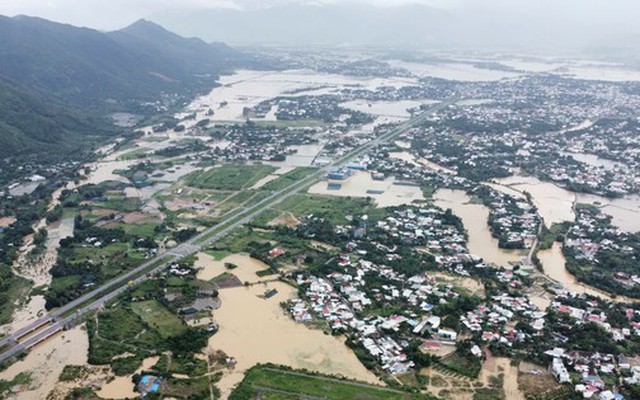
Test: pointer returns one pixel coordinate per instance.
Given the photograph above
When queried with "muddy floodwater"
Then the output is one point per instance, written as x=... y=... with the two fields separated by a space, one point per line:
x=247 y=88
x=624 y=212
x=104 y=171
x=397 y=109
x=385 y=193
x=554 y=203
x=121 y=387
x=257 y=330
x=553 y=264
x=46 y=361
x=475 y=217
x=209 y=268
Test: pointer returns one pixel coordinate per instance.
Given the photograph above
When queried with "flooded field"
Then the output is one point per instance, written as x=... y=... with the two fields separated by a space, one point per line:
x=454 y=71
x=398 y=109
x=475 y=217
x=6 y=221
x=305 y=155
x=256 y=330
x=624 y=212
x=209 y=268
x=103 y=171
x=386 y=193
x=248 y=88
x=46 y=361
x=592 y=159
x=554 y=203
x=24 y=188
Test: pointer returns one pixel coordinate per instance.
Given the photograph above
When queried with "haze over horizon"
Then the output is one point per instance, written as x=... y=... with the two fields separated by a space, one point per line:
x=573 y=25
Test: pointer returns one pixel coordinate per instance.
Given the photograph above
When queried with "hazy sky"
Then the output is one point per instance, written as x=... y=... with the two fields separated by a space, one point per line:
x=581 y=19
x=113 y=14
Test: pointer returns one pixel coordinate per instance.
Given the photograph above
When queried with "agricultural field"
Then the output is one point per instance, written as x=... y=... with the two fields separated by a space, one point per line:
x=270 y=382
x=287 y=179
x=155 y=315
x=333 y=208
x=229 y=177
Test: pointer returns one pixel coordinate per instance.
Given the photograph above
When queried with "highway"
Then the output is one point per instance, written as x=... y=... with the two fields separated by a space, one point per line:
x=63 y=317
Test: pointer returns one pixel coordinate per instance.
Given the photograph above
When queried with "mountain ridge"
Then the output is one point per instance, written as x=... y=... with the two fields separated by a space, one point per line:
x=69 y=79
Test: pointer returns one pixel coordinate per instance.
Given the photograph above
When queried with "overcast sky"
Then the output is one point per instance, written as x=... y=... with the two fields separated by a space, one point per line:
x=114 y=14
x=580 y=18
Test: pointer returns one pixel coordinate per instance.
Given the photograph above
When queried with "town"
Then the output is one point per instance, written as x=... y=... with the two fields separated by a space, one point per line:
x=359 y=176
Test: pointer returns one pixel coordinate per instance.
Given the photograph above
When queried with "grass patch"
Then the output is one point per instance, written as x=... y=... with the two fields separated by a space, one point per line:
x=331 y=207
x=217 y=254
x=549 y=235
x=15 y=288
x=133 y=154
x=141 y=230
x=229 y=177
x=71 y=373
x=274 y=383
x=158 y=317
x=464 y=365
x=188 y=366
x=122 y=204
x=428 y=191
x=187 y=388
x=20 y=379
x=289 y=178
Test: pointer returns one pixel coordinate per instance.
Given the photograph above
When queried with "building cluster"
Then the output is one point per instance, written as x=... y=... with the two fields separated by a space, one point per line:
x=513 y=221
x=348 y=303
x=609 y=252
x=494 y=322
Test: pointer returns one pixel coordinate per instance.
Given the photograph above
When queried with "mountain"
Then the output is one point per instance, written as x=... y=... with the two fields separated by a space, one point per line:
x=59 y=82
x=30 y=125
x=86 y=67
x=192 y=55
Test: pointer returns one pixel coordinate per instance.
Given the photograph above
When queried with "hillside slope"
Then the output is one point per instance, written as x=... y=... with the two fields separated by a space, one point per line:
x=58 y=83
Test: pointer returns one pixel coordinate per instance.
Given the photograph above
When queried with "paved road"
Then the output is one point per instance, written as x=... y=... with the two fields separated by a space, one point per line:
x=57 y=320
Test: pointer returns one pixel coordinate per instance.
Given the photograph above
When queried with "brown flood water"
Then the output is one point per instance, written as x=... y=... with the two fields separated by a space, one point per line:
x=553 y=263
x=256 y=330
x=46 y=361
x=121 y=387
x=358 y=185
x=475 y=217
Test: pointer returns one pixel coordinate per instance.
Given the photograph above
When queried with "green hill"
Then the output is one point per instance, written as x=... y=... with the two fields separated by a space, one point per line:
x=58 y=83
